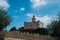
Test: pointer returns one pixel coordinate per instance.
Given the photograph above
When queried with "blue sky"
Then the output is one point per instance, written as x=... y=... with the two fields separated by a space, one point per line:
x=23 y=10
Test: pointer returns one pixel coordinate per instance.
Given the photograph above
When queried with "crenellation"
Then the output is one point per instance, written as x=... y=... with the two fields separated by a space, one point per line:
x=24 y=35
x=18 y=31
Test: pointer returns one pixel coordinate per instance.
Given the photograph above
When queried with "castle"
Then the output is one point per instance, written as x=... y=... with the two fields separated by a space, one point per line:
x=18 y=35
x=34 y=24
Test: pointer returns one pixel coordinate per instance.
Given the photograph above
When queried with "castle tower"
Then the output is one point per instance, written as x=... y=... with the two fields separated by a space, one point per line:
x=40 y=24
x=34 y=18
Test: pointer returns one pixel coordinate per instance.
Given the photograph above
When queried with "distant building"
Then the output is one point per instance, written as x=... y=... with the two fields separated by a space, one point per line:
x=34 y=24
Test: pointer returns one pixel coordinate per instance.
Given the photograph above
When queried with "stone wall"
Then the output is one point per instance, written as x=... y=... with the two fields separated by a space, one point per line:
x=24 y=35
x=9 y=38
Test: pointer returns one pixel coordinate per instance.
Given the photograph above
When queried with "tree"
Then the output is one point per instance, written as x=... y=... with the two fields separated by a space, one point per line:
x=58 y=16
x=54 y=27
x=4 y=19
x=42 y=31
x=13 y=29
x=19 y=29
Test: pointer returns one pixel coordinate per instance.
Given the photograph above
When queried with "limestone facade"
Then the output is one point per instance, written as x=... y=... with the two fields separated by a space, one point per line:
x=34 y=24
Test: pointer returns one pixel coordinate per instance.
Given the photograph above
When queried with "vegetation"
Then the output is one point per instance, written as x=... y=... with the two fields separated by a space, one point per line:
x=4 y=19
x=42 y=31
x=19 y=29
x=54 y=27
x=13 y=29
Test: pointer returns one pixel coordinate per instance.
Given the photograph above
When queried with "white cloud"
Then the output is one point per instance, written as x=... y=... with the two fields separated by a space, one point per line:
x=4 y=4
x=29 y=15
x=22 y=9
x=37 y=3
x=45 y=19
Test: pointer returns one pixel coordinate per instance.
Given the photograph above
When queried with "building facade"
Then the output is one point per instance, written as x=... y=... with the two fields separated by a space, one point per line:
x=34 y=24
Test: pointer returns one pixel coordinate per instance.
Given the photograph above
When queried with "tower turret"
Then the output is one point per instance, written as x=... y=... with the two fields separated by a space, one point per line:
x=34 y=18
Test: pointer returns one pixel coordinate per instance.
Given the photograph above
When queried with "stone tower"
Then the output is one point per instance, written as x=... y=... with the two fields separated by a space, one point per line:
x=33 y=19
